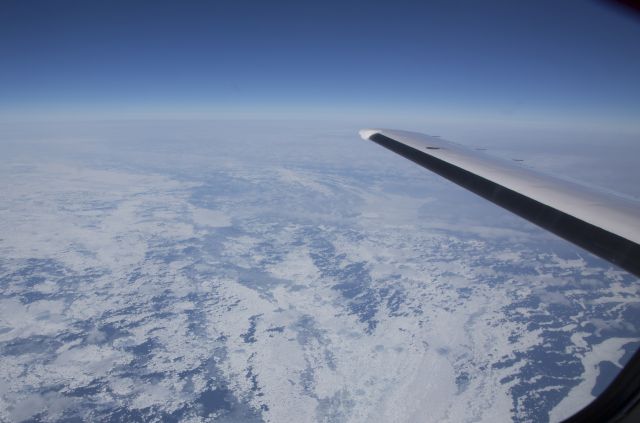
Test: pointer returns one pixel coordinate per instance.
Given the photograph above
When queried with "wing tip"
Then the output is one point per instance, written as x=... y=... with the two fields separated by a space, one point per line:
x=366 y=134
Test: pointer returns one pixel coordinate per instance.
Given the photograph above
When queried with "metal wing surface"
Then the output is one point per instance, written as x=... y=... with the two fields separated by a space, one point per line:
x=602 y=222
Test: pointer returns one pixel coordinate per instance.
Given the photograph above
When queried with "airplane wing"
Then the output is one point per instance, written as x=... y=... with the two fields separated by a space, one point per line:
x=606 y=224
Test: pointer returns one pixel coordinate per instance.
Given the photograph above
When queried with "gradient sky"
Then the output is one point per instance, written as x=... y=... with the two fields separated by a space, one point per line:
x=555 y=60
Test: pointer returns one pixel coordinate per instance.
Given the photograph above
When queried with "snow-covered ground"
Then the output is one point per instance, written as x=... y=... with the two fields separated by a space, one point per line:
x=284 y=277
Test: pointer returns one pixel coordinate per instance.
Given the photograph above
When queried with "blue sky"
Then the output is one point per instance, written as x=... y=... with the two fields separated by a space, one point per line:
x=573 y=60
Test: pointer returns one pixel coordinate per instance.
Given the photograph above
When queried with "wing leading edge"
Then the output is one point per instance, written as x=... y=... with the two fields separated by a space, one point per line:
x=602 y=223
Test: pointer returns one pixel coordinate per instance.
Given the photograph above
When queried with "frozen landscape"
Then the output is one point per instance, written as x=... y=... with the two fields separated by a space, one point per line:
x=243 y=271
